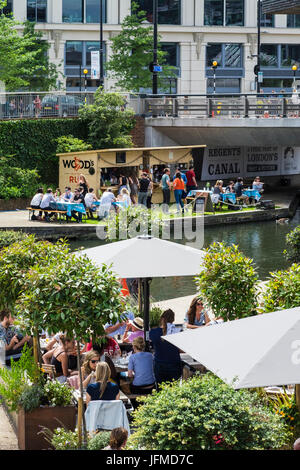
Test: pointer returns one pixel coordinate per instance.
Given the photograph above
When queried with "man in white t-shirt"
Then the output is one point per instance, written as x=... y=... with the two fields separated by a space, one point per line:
x=106 y=201
x=36 y=202
x=89 y=200
x=45 y=204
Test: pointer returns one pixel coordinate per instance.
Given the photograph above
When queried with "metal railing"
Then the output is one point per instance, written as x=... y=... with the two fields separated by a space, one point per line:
x=66 y=104
x=223 y=107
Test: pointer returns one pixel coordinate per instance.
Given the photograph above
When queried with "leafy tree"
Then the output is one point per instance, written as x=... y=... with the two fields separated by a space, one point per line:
x=204 y=413
x=108 y=122
x=282 y=290
x=39 y=73
x=228 y=282
x=70 y=295
x=23 y=59
x=132 y=53
x=292 y=252
x=16 y=182
x=69 y=143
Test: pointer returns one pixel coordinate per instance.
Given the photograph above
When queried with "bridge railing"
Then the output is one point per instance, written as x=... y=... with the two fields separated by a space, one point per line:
x=223 y=107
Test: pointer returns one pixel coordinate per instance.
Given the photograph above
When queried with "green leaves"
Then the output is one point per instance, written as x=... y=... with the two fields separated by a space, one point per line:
x=228 y=282
x=107 y=120
x=204 y=413
x=282 y=290
x=292 y=252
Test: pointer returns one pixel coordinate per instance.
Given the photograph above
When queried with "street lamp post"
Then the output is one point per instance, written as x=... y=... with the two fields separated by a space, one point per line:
x=258 y=43
x=155 y=41
x=101 y=45
x=294 y=69
x=214 y=67
x=85 y=72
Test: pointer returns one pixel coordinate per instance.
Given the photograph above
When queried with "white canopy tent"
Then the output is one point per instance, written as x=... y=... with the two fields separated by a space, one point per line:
x=145 y=257
x=252 y=352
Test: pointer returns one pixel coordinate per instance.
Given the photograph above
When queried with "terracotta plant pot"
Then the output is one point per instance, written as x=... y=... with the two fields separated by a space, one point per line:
x=31 y=423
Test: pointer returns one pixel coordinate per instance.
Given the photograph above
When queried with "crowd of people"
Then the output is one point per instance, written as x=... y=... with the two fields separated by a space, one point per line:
x=236 y=188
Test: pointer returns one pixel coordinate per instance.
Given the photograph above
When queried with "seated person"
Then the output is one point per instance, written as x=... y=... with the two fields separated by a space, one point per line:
x=13 y=339
x=89 y=199
x=238 y=188
x=217 y=191
x=106 y=202
x=134 y=329
x=57 y=194
x=108 y=346
x=258 y=185
x=79 y=199
x=59 y=357
x=140 y=367
x=68 y=195
x=230 y=187
x=36 y=202
x=196 y=316
x=45 y=204
x=118 y=329
x=102 y=389
x=118 y=439
x=88 y=369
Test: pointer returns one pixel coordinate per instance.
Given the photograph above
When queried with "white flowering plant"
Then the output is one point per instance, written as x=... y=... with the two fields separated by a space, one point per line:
x=57 y=394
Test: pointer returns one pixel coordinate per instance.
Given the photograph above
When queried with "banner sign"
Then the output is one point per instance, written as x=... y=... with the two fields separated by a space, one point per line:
x=95 y=65
x=231 y=162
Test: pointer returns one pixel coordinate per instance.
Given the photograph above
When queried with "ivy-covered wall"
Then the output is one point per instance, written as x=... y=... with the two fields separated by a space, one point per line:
x=31 y=143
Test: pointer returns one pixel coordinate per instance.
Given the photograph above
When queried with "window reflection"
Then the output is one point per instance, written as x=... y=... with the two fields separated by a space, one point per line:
x=267 y=20
x=227 y=55
x=290 y=55
x=92 y=12
x=72 y=11
x=73 y=52
x=269 y=55
x=224 y=12
x=37 y=11
x=169 y=11
x=293 y=21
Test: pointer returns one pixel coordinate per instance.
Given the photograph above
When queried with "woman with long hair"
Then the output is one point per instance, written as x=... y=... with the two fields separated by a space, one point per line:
x=103 y=388
x=83 y=183
x=140 y=368
x=196 y=316
x=167 y=362
x=59 y=357
x=88 y=368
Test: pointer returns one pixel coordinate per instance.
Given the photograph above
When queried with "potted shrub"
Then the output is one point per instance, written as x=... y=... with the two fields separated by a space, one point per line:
x=37 y=401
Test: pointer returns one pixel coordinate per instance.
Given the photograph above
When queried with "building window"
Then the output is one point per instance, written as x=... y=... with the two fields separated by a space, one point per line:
x=8 y=10
x=290 y=55
x=293 y=21
x=74 y=53
x=83 y=11
x=227 y=55
x=37 y=11
x=224 y=12
x=92 y=11
x=78 y=57
x=267 y=20
x=169 y=11
x=72 y=11
x=269 y=55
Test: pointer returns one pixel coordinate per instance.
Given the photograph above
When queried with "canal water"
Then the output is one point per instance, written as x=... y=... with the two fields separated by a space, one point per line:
x=264 y=242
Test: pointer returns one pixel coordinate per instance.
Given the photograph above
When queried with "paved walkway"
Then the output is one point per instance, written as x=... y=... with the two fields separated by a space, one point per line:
x=8 y=439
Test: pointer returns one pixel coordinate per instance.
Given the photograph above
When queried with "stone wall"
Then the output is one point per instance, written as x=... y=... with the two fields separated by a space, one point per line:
x=13 y=204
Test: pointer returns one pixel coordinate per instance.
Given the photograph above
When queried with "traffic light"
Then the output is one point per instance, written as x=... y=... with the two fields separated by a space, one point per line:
x=151 y=67
x=256 y=69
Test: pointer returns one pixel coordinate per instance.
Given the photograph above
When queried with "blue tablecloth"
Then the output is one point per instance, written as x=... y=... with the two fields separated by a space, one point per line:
x=193 y=192
x=231 y=197
x=68 y=206
x=252 y=193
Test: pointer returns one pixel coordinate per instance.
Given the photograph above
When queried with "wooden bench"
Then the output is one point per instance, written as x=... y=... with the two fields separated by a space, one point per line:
x=51 y=211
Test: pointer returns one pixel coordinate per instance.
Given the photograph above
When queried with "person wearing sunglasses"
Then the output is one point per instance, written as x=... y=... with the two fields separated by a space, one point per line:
x=88 y=369
x=196 y=316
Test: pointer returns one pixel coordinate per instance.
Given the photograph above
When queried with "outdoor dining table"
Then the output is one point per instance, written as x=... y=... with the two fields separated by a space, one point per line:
x=231 y=197
x=68 y=207
x=253 y=193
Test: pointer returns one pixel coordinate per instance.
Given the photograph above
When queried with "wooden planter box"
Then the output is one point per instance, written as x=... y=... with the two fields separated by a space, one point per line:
x=30 y=423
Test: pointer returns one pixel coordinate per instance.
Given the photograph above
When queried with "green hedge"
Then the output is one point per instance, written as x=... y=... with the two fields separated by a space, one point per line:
x=32 y=143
